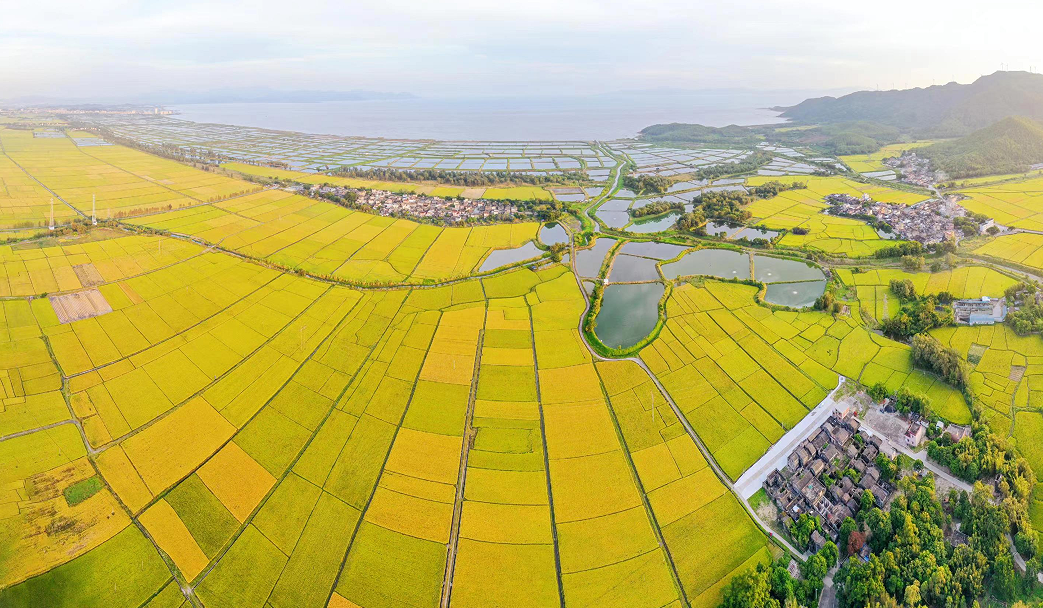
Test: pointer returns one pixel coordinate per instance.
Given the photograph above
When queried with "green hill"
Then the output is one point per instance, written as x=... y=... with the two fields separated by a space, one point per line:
x=950 y=110
x=857 y=137
x=1009 y=146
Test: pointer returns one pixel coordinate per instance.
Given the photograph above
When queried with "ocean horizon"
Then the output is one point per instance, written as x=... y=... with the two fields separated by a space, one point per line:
x=601 y=117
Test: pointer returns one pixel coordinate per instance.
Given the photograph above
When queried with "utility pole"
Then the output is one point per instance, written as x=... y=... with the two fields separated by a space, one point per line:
x=51 y=227
x=94 y=209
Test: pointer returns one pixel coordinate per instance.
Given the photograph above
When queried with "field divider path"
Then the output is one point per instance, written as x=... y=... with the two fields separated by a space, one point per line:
x=546 y=459
x=656 y=529
x=465 y=449
x=688 y=428
x=383 y=465
x=289 y=469
x=42 y=185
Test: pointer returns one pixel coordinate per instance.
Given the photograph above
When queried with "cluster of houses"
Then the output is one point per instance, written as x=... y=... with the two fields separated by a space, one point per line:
x=914 y=169
x=929 y=221
x=826 y=476
x=450 y=210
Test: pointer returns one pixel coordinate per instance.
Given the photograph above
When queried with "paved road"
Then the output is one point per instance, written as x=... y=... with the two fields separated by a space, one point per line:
x=922 y=457
x=752 y=480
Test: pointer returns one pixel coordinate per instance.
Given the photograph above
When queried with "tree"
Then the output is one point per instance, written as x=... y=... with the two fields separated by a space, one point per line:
x=1004 y=578
x=912 y=595
x=750 y=589
x=830 y=552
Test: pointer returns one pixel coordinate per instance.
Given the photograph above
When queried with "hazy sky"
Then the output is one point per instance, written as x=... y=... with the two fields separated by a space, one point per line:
x=108 y=48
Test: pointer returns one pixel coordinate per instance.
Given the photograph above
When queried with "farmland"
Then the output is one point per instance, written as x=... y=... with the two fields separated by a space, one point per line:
x=830 y=234
x=510 y=192
x=1016 y=204
x=225 y=395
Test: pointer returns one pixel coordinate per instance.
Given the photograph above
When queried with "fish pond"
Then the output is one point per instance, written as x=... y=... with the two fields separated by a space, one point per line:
x=503 y=257
x=628 y=313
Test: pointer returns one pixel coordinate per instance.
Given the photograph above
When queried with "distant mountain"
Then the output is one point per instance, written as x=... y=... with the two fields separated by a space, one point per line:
x=1011 y=145
x=690 y=133
x=858 y=137
x=950 y=110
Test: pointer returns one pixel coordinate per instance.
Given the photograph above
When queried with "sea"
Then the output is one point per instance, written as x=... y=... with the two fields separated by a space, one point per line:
x=590 y=117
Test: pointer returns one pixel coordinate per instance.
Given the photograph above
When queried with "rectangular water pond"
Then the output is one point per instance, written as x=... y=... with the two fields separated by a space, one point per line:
x=628 y=269
x=777 y=270
x=721 y=263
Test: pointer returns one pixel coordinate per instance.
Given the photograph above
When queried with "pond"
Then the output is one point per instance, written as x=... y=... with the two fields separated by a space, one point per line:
x=628 y=313
x=737 y=231
x=755 y=233
x=796 y=295
x=627 y=269
x=588 y=261
x=614 y=219
x=887 y=236
x=775 y=270
x=652 y=249
x=552 y=234
x=503 y=257
x=712 y=262
x=615 y=204
x=571 y=198
x=660 y=224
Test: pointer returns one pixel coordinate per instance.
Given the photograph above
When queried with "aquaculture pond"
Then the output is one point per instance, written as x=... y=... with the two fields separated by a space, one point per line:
x=552 y=234
x=628 y=269
x=628 y=313
x=614 y=219
x=778 y=270
x=659 y=224
x=796 y=295
x=738 y=231
x=652 y=249
x=503 y=257
x=588 y=261
x=721 y=263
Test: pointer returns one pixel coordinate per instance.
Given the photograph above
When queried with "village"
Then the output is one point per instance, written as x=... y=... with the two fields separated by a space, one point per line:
x=420 y=206
x=913 y=169
x=827 y=474
x=930 y=221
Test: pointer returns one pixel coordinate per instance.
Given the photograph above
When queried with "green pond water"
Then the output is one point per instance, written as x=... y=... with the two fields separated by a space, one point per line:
x=628 y=313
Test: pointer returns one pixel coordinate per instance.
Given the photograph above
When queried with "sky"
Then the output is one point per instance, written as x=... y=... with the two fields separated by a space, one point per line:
x=110 y=49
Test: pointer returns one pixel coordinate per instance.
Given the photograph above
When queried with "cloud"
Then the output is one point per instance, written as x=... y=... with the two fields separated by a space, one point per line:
x=472 y=47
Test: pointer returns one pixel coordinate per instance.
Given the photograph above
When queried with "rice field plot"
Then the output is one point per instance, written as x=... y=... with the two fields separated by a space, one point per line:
x=24 y=203
x=506 y=552
x=53 y=511
x=121 y=182
x=868 y=163
x=329 y=240
x=50 y=266
x=216 y=395
x=1016 y=204
x=874 y=295
x=30 y=383
x=1006 y=371
x=1021 y=248
x=522 y=193
x=743 y=374
x=692 y=507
